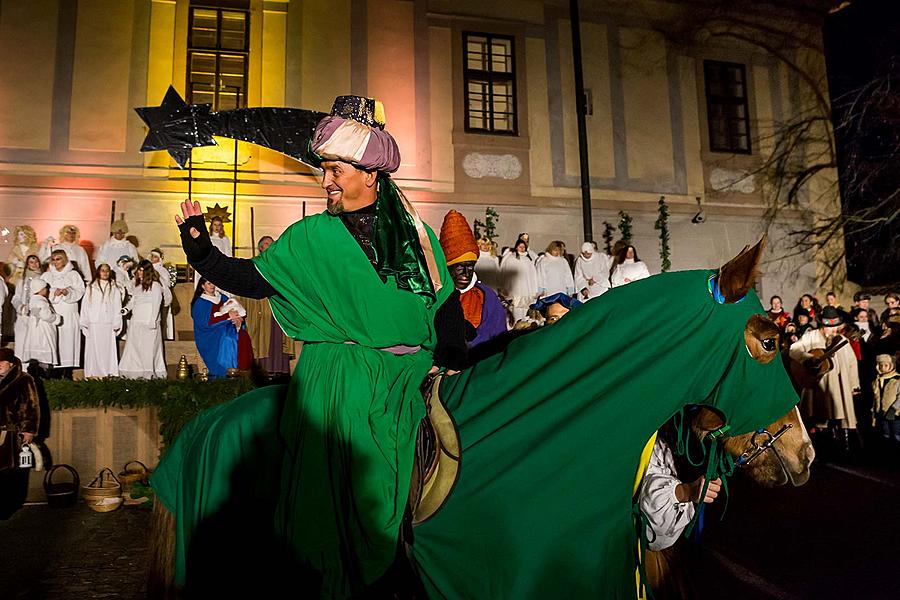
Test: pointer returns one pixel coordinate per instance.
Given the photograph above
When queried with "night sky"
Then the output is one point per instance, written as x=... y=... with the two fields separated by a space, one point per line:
x=862 y=45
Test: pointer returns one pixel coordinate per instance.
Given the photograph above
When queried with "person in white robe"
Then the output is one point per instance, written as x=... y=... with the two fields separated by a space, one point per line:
x=123 y=269
x=627 y=267
x=668 y=503
x=554 y=273
x=217 y=234
x=25 y=286
x=488 y=265
x=66 y=289
x=143 y=356
x=591 y=272
x=519 y=279
x=101 y=323
x=116 y=246
x=42 y=325
x=167 y=318
x=69 y=237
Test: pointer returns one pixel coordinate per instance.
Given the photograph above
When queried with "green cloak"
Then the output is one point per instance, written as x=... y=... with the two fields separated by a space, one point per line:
x=552 y=431
x=350 y=417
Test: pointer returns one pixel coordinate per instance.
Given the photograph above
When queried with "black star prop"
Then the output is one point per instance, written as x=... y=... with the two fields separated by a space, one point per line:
x=176 y=127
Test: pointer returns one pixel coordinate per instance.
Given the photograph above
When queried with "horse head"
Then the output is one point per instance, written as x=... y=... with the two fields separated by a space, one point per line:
x=786 y=461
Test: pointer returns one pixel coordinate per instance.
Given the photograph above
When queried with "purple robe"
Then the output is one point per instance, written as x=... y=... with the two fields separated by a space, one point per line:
x=493 y=317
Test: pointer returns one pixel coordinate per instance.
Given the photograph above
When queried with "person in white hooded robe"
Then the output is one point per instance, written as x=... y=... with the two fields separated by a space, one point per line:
x=143 y=357
x=519 y=279
x=627 y=267
x=167 y=318
x=66 y=289
x=101 y=323
x=554 y=273
x=69 y=237
x=116 y=246
x=591 y=272
x=21 y=299
x=42 y=323
x=488 y=265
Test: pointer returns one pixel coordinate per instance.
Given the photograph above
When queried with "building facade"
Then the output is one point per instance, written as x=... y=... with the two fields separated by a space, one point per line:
x=480 y=96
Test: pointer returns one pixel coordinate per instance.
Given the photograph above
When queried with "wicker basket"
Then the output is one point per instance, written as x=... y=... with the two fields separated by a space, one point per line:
x=61 y=495
x=104 y=493
x=133 y=471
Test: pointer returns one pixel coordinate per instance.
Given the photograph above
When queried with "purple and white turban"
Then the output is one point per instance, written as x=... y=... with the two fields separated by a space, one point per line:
x=354 y=133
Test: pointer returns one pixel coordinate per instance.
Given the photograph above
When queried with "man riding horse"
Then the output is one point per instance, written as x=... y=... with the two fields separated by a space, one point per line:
x=547 y=450
x=376 y=312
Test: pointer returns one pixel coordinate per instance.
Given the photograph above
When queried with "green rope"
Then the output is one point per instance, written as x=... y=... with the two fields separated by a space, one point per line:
x=683 y=439
x=719 y=465
x=643 y=525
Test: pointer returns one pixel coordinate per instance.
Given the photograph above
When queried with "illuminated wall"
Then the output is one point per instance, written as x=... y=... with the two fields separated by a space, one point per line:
x=69 y=139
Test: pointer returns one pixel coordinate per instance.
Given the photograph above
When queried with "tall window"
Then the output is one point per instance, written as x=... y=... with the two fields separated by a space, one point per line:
x=726 y=107
x=490 y=80
x=218 y=45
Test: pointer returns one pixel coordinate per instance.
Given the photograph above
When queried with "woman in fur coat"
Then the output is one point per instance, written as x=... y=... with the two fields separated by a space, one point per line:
x=20 y=415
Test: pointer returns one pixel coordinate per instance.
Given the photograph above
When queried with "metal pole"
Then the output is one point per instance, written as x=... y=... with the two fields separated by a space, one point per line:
x=234 y=203
x=190 y=177
x=237 y=104
x=253 y=231
x=580 y=110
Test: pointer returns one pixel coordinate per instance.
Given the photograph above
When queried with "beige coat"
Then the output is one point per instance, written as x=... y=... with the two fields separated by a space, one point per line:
x=833 y=398
x=885 y=390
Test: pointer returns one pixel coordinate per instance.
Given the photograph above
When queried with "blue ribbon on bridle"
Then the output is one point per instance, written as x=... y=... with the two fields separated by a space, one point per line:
x=713 y=286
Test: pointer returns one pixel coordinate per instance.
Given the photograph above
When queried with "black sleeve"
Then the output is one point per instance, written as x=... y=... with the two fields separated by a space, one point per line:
x=450 y=326
x=237 y=275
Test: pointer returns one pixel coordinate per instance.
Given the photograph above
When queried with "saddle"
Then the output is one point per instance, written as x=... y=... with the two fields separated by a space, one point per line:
x=436 y=464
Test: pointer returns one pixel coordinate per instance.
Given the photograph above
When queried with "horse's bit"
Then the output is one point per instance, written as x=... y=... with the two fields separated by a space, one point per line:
x=756 y=449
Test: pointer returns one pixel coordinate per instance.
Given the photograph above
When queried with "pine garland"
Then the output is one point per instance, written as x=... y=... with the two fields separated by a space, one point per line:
x=608 y=236
x=662 y=225
x=490 y=223
x=178 y=401
x=625 y=221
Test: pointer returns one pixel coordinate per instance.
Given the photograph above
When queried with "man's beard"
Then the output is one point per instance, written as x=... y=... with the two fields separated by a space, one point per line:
x=334 y=207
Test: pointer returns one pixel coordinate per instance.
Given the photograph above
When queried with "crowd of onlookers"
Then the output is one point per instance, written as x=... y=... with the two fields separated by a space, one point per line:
x=859 y=396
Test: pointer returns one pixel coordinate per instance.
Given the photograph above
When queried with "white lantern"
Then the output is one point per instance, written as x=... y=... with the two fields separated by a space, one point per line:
x=26 y=458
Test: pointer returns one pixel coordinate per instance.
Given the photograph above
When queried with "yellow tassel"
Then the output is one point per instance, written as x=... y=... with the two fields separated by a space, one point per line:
x=379 y=113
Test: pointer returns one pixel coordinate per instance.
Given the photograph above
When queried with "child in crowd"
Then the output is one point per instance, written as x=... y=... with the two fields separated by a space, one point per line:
x=41 y=333
x=886 y=389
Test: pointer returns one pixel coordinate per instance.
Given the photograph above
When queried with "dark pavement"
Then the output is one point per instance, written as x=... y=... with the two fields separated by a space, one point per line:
x=74 y=553
x=836 y=537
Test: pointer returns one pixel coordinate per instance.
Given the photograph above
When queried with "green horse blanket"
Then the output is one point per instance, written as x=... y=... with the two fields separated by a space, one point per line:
x=551 y=428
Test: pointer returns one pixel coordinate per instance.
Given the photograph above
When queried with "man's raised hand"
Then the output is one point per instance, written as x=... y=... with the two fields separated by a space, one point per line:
x=189 y=209
x=194 y=235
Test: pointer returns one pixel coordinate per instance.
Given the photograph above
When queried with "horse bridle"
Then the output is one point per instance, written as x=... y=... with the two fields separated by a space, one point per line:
x=756 y=449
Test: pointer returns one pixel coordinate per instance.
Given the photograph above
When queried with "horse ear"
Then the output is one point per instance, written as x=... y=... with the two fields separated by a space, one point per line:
x=738 y=275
